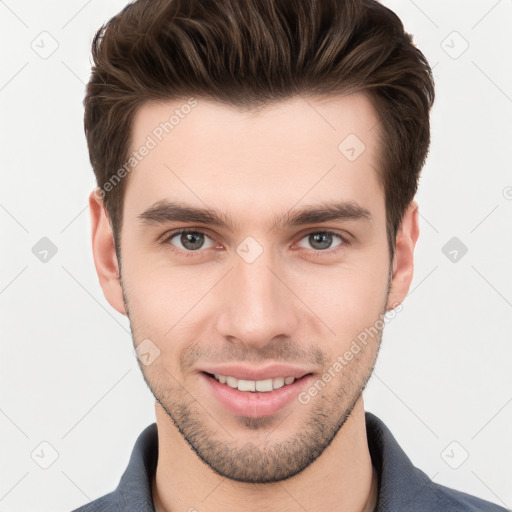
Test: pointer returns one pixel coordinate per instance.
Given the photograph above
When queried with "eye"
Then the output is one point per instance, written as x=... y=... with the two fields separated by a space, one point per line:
x=322 y=240
x=189 y=240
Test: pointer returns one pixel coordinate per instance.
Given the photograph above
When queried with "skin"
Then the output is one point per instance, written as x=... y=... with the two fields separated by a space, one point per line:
x=287 y=306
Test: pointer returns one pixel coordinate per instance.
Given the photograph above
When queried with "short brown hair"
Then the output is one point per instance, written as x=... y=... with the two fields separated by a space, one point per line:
x=248 y=54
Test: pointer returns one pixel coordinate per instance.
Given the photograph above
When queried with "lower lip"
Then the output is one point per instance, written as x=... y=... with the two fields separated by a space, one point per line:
x=255 y=404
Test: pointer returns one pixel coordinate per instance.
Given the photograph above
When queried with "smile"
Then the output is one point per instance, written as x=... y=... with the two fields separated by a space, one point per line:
x=262 y=386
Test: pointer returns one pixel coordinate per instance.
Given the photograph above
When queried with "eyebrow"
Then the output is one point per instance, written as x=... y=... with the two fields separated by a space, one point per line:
x=165 y=211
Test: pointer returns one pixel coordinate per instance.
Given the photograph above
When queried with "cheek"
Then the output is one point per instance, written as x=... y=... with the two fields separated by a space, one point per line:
x=348 y=299
x=165 y=301
x=151 y=297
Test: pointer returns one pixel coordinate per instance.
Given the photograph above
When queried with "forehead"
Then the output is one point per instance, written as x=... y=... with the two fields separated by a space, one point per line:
x=300 y=150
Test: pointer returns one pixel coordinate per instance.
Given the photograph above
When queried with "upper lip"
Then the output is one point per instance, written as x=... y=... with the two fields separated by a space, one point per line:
x=256 y=373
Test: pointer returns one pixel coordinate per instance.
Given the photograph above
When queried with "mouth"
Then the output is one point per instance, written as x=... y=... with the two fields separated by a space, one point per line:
x=254 y=386
x=255 y=398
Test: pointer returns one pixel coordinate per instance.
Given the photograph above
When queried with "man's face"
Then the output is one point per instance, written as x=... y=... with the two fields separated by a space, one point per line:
x=252 y=291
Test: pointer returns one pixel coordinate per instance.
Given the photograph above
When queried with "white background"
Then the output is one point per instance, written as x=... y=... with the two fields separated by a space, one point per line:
x=67 y=370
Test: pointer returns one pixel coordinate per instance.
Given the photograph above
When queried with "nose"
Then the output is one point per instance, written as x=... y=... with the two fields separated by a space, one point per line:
x=257 y=304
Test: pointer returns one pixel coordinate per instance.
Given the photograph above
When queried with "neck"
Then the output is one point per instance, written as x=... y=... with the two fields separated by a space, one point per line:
x=341 y=478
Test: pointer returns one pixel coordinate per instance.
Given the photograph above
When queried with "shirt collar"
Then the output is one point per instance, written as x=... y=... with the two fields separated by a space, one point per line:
x=401 y=484
x=399 y=481
x=134 y=492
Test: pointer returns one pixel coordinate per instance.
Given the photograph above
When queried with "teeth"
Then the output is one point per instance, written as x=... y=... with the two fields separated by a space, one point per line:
x=264 y=385
x=232 y=382
x=278 y=383
x=254 y=385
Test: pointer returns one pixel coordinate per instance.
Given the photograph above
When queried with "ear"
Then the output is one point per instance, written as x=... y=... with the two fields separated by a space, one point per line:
x=403 y=260
x=104 y=253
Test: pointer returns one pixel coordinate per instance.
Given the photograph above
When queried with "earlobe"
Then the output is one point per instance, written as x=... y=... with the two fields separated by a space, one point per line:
x=403 y=260
x=104 y=253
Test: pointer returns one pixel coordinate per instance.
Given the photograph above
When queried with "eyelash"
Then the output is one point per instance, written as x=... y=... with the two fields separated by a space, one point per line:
x=314 y=253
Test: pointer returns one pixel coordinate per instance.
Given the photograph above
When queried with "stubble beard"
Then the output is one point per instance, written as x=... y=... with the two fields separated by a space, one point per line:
x=264 y=462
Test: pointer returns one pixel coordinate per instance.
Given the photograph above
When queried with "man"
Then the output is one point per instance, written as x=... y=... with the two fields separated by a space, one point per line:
x=257 y=162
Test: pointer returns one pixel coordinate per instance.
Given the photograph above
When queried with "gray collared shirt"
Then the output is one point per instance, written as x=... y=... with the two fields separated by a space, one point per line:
x=402 y=487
